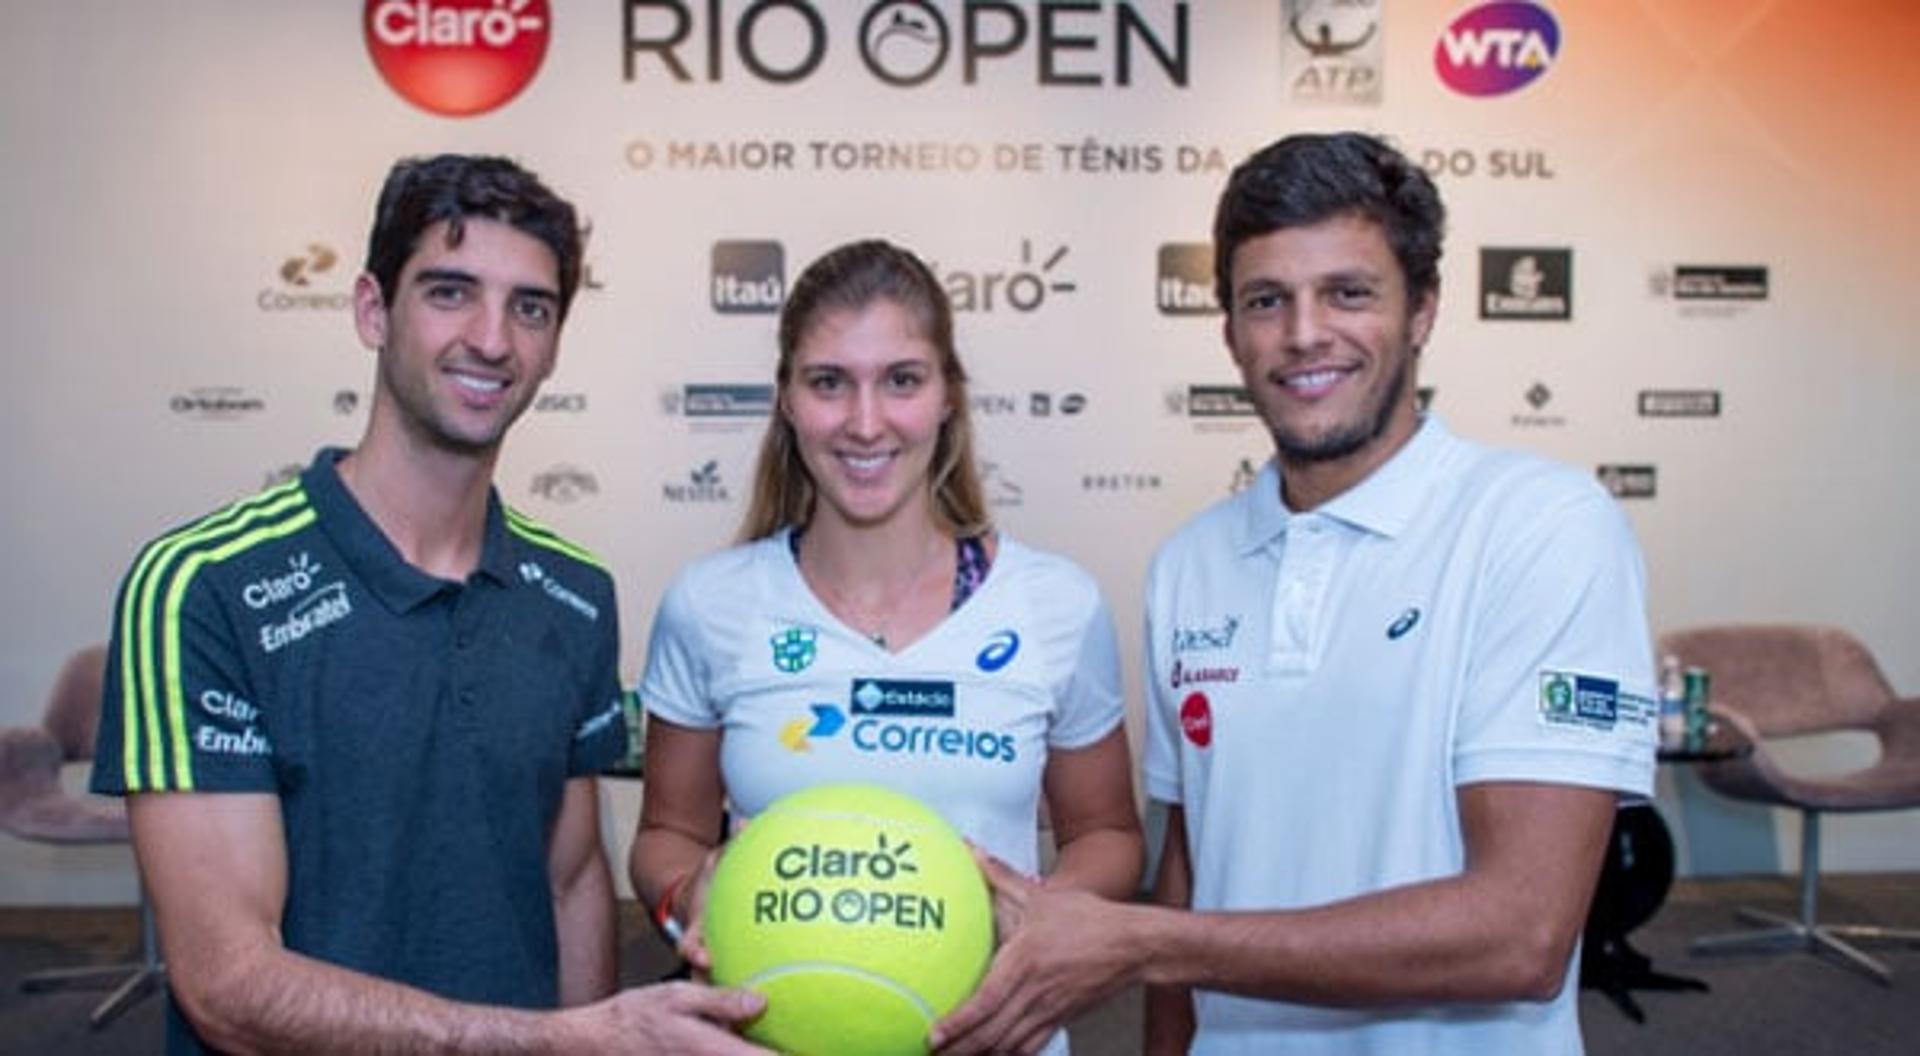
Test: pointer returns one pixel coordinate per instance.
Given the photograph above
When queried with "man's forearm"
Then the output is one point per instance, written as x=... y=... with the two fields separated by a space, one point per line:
x=1501 y=930
x=278 y=1001
x=1169 y=1021
x=588 y=932
x=1436 y=941
x=1105 y=862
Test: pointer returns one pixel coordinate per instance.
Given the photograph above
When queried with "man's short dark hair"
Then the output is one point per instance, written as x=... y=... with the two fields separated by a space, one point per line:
x=1304 y=179
x=421 y=192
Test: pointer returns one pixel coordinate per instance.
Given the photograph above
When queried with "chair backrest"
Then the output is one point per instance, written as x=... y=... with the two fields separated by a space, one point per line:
x=1787 y=678
x=33 y=803
x=73 y=707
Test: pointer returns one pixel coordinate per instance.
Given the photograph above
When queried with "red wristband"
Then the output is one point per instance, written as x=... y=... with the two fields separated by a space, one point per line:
x=663 y=911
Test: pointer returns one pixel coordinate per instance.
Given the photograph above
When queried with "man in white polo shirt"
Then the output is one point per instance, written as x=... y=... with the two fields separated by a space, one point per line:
x=1395 y=686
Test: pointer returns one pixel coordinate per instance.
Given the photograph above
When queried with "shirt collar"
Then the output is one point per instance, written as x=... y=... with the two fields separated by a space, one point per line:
x=1266 y=518
x=372 y=556
x=1384 y=503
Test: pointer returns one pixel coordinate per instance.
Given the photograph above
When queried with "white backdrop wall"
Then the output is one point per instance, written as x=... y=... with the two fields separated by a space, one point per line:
x=188 y=188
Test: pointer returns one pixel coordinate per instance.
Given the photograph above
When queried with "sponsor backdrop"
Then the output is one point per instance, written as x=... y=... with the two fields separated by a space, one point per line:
x=1681 y=256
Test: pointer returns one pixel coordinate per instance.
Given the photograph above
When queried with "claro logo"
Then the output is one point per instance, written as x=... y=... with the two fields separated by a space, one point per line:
x=457 y=58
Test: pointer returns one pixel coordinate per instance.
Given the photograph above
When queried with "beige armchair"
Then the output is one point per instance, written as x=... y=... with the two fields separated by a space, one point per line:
x=1772 y=681
x=35 y=806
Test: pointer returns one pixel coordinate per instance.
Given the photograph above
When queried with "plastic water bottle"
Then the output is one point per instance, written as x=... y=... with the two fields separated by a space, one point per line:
x=1673 y=702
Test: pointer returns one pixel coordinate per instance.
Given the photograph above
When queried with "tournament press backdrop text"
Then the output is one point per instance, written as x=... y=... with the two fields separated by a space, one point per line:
x=1665 y=220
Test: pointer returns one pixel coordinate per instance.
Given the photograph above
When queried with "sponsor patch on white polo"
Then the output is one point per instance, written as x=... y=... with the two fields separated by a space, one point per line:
x=1579 y=701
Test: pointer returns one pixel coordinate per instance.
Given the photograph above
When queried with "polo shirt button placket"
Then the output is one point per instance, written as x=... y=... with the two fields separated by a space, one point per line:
x=465 y=634
x=462 y=631
x=1300 y=596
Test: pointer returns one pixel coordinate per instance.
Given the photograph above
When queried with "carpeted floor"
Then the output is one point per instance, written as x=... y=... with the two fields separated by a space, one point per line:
x=1797 y=1004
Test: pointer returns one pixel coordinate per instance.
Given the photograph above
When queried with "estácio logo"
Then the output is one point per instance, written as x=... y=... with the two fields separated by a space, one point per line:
x=457 y=58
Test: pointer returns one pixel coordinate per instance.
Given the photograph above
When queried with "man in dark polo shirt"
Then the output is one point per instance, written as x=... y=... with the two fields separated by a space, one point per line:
x=356 y=716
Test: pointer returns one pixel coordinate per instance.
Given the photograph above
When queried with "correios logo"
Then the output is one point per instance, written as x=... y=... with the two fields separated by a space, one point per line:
x=297 y=290
x=1496 y=48
x=457 y=58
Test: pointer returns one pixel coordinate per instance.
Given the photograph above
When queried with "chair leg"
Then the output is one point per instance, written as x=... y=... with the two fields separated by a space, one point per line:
x=144 y=980
x=1782 y=934
x=1772 y=940
x=1823 y=939
x=1874 y=933
x=1761 y=916
x=130 y=982
x=73 y=978
x=137 y=986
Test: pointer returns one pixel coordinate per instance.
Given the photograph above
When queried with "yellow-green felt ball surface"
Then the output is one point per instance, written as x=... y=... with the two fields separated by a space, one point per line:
x=858 y=912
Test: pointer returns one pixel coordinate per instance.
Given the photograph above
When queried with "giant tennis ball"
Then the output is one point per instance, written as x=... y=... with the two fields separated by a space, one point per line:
x=858 y=912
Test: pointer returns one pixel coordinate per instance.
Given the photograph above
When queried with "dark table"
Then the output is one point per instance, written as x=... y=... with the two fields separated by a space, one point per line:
x=1634 y=880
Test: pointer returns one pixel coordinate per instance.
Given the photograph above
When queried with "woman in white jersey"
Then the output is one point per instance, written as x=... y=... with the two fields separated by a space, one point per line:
x=873 y=627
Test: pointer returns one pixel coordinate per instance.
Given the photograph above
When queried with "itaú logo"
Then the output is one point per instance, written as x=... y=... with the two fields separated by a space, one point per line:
x=457 y=57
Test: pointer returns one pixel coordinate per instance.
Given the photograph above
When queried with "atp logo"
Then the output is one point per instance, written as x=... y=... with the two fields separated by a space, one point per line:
x=457 y=58
x=1496 y=48
x=998 y=652
x=906 y=47
x=794 y=649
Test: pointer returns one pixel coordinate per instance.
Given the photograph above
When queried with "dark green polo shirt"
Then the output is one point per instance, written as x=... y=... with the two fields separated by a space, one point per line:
x=418 y=731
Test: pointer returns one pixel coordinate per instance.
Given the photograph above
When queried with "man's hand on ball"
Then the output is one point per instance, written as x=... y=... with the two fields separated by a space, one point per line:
x=1059 y=953
x=665 y=1018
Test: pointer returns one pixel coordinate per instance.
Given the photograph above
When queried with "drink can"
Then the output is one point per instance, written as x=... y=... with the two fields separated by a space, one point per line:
x=1697 y=684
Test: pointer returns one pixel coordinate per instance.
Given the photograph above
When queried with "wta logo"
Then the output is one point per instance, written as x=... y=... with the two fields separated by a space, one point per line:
x=457 y=58
x=1497 y=48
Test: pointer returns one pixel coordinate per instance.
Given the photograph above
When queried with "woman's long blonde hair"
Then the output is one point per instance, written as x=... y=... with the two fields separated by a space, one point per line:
x=849 y=278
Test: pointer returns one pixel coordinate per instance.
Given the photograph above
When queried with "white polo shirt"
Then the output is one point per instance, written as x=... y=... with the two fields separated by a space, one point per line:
x=962 y=719
x=1321 y=683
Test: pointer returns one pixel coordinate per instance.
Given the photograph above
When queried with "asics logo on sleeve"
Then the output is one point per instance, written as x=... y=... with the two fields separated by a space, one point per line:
x=1401 y=626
